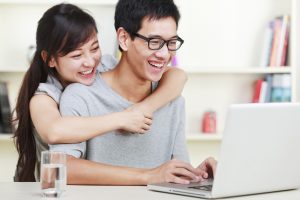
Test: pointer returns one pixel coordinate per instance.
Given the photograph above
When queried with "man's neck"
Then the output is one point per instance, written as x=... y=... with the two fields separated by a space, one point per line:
x=126 y=83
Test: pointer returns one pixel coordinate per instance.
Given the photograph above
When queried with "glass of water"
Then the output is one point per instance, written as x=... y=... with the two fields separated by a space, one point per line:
x=53 y=173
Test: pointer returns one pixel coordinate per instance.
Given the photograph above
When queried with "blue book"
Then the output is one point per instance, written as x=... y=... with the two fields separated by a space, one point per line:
x=267 y=45
x=269 y=80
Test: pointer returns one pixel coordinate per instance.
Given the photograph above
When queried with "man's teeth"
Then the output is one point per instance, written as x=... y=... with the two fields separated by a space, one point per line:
x=157 y=65
x=87 y=72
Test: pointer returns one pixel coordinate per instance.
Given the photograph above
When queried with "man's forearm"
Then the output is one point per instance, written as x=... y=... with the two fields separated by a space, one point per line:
x=86 y=172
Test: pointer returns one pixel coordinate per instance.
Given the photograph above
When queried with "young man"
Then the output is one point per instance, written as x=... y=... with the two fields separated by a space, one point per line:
x=147 y=35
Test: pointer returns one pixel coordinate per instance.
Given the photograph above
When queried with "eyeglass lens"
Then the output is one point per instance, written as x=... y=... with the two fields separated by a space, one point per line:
x=157 y=43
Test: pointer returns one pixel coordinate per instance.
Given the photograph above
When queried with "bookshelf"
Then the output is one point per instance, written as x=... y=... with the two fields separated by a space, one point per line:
x=221 y=55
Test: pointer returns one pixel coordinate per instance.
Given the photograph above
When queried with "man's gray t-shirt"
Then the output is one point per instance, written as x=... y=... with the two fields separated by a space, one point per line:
x=164 y=141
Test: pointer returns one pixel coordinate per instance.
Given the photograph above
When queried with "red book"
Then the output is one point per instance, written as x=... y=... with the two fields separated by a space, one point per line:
x=257 y=89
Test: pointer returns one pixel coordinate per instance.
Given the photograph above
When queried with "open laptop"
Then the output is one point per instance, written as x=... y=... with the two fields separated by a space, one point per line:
x=260 y=152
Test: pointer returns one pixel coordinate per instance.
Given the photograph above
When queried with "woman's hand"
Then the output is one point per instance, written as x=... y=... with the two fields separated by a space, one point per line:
x=134 y=120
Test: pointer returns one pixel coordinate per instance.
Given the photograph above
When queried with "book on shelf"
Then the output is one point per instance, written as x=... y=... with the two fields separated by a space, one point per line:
x=257 y=91
x=267 y=45
x=283 y=41
x=272 y=88
x=281 y=88
x=276 y=40
x=5 y=111
x=275 y=43
x=269 y=80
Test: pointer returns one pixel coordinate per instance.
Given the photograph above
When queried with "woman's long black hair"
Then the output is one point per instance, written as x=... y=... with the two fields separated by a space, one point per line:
x=61 y=29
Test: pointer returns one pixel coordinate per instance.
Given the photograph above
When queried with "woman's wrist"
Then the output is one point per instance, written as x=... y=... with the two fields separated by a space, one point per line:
x=118 y=120
x=144 y=107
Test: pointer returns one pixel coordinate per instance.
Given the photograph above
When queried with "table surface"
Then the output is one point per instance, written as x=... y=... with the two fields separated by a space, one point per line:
x=31 y=190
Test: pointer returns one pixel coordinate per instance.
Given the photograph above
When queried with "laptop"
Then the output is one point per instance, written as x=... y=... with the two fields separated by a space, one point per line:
x=260 y=152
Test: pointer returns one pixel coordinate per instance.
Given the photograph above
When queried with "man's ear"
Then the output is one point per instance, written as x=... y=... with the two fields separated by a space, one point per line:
x=44 y=55
x=123 y=38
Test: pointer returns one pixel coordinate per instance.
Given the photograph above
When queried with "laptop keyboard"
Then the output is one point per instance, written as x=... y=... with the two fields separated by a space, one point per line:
x=202 y=187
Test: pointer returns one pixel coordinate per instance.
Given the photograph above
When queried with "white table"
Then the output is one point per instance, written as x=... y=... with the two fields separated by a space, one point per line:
x=31 y=191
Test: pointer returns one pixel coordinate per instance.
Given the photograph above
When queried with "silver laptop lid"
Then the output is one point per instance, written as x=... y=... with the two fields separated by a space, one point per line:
x=260 y=151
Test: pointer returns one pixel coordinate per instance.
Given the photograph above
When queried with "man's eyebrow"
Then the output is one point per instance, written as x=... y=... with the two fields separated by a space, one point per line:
x=158 y=36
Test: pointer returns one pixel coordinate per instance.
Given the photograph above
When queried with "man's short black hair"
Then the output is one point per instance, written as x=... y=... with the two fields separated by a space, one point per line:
x=129 y=14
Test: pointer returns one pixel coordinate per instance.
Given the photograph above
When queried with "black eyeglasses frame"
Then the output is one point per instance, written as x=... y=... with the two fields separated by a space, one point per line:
x=148 y=39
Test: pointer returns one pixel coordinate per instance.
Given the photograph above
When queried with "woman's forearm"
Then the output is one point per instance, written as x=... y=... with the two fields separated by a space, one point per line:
x=78 y=129
x=169 y=88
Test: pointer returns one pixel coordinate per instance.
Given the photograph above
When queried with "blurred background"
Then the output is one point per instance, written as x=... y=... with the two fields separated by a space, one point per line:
x=227 y=54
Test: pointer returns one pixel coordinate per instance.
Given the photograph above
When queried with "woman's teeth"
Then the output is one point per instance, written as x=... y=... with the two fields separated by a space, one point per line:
x=87 y=72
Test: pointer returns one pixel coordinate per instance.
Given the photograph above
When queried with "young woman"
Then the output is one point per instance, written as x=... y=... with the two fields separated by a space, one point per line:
x=65 y=31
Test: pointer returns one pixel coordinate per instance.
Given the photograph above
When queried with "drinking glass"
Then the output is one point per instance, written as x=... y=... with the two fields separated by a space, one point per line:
x=53 y=173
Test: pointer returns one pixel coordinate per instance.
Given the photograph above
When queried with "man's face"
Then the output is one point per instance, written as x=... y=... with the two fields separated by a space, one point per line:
x=147 y=64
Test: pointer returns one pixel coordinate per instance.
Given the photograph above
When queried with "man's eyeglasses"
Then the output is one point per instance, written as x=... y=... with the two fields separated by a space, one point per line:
x=158 y=43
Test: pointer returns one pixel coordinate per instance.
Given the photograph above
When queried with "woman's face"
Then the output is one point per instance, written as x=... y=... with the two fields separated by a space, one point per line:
x=79 y=66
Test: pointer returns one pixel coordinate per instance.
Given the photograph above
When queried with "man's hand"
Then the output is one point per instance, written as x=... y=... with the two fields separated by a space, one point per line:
x=174 y=171
x=207 y=168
